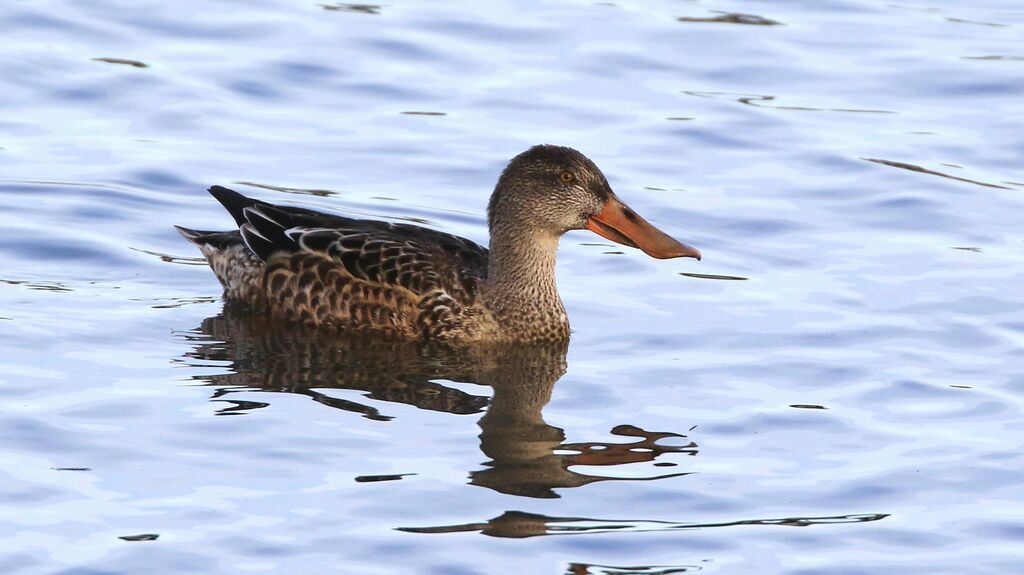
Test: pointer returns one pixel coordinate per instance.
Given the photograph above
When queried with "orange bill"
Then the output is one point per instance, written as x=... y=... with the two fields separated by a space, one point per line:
x=618 y=223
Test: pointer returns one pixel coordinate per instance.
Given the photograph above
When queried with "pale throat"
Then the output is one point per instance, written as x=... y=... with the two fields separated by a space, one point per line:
x=520 y=281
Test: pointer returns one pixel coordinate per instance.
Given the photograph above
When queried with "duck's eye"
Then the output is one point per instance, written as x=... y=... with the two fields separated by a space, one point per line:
x=566 y=177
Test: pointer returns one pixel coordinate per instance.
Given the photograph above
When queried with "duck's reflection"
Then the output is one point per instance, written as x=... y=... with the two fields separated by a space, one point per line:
x=278 y=357
x=528 y=457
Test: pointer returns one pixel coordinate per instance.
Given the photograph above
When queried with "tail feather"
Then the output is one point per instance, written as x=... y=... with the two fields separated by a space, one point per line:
x=262 y=227
x=234 y=202
x=217 y=240
x=191 y=235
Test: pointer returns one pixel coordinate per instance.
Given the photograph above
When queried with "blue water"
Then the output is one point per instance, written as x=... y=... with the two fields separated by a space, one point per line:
x=853 y=403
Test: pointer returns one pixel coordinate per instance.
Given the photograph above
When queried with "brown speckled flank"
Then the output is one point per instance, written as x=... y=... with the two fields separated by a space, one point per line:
x=410 y=282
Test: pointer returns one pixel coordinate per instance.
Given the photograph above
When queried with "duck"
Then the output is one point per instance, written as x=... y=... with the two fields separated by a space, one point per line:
x=408 y=282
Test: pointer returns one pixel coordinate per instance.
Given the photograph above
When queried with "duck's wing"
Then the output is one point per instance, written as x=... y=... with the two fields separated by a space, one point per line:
x=377 y=262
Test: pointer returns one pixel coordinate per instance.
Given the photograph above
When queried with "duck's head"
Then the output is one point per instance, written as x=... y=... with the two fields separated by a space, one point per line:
x=552 y=189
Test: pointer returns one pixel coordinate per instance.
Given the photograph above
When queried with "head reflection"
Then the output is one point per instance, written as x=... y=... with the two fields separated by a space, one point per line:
x=527 y=457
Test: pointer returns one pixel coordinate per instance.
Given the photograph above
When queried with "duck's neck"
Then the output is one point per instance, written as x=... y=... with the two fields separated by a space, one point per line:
x=520 y=289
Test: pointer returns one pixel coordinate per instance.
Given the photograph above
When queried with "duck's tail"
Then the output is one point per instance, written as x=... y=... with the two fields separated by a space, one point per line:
x=234 y=202
x=217 y=240
x=194 y=236
x=239 y=270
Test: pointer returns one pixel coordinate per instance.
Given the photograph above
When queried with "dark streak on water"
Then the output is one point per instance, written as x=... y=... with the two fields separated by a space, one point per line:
x=375 y=478
x=712 y=276
x=732 y=18
x=140 y=537
x=133 y=63
x=913 y=168
x=358 y=8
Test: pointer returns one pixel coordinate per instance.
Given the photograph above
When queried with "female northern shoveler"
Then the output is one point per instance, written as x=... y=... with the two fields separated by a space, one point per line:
x=410 y=282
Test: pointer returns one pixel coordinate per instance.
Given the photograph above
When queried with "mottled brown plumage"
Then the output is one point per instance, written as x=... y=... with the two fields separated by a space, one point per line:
x=410 y=282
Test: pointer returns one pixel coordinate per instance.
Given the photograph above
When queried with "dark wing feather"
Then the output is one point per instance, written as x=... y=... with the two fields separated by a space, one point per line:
x=260 y=245
x=416 y=258
x=234 y=202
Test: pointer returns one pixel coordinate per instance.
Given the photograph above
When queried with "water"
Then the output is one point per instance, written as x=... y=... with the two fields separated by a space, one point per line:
x=850 y=402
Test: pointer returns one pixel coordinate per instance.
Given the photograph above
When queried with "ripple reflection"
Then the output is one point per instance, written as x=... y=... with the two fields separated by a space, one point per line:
x=758 y=101
x=518 y=524
x=124 y=61
x=922 y=170
x=358 y=8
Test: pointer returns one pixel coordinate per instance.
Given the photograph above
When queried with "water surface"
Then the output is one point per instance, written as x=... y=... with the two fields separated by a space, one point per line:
x=835 y=388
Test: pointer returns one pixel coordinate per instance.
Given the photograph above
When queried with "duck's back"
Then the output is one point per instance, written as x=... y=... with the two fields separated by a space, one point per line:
x=396 y=279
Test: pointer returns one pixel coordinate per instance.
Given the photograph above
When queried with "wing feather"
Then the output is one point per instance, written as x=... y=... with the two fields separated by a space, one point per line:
x=416 y=258
x=372 y=273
